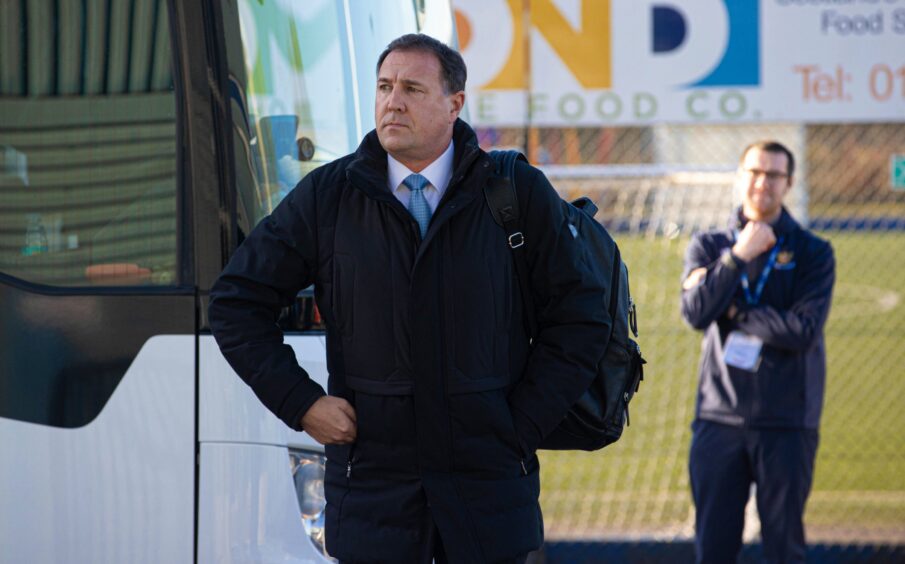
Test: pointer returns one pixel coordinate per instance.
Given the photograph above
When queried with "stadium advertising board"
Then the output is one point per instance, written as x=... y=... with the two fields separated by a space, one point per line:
x=635 y=62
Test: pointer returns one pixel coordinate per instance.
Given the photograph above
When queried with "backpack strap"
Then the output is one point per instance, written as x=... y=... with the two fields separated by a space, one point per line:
x=503 y=203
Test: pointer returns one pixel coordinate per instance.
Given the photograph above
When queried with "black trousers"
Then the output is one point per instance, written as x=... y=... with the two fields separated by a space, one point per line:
x=433 y=552
x=724 y=462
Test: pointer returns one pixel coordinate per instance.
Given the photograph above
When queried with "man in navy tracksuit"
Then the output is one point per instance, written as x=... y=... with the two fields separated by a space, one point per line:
x=761 y=292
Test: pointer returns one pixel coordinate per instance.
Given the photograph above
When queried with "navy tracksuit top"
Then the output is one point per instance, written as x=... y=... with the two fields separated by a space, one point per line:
x=788 y=388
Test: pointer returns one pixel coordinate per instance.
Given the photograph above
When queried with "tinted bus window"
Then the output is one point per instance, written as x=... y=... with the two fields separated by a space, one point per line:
x=292 y=104
x=435 y=18
x=374 y=25
x=87 y=144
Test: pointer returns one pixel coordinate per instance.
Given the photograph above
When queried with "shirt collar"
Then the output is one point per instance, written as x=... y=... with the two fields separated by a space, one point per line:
x=438 y=173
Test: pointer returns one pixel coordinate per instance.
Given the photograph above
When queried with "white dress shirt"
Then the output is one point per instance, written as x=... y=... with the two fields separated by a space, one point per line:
x=438 y=173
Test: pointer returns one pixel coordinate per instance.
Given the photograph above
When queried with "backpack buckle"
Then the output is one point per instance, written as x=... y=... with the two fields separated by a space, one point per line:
x=516 y=240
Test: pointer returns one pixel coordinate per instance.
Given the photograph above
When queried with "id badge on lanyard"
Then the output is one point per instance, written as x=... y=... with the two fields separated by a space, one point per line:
x=742 y=350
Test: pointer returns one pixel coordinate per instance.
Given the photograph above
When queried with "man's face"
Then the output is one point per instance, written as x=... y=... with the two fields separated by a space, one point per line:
x=414 y=115
x=764 y=181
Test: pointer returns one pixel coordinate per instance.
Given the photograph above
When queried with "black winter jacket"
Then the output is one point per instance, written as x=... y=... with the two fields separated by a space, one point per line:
x=426 y=340
x=787 y=389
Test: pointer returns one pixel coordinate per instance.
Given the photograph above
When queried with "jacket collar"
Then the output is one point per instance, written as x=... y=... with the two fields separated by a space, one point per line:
x=368 y=169
x=783 y=225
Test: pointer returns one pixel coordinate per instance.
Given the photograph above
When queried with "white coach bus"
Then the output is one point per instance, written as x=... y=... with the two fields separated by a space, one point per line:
x=140 y=140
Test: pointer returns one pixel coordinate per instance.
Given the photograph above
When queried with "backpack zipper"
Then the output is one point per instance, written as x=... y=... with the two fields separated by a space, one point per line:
x=632 y=316
x=617 y=273
x=625 y=399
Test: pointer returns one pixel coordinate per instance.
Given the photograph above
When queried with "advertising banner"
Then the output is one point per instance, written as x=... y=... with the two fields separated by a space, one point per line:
x=637 y=62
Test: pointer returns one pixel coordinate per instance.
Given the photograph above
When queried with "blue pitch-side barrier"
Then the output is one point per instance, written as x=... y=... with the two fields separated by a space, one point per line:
x=858 y=224
x=816 y=224
x=650 y=552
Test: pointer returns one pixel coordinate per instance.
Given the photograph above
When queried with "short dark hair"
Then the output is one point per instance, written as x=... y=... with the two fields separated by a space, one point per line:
x=771 y=146
x=453 y=73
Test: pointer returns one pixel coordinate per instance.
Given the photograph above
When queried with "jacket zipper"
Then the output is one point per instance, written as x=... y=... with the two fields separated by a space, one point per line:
x=349 y=462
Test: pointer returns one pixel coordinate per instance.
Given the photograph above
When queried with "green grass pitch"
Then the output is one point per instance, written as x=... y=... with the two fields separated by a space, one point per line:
x=639 y=487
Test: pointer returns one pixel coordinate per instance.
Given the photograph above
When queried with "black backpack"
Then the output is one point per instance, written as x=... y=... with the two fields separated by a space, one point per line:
x=597 y=419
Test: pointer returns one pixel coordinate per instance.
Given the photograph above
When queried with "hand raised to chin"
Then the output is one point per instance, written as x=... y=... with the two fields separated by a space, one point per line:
x=755 y=239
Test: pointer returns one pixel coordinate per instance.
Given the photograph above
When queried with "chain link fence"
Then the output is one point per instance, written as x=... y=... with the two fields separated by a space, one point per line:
x=656 y=186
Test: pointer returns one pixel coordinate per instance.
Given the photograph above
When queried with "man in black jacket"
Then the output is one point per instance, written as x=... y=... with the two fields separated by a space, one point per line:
x=761 y=291
x=437 y=400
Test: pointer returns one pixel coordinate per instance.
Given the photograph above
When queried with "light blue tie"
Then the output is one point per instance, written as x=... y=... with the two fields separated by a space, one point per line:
x=418 y=205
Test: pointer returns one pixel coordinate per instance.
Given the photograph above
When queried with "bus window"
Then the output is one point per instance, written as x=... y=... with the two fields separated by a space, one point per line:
x=87 y=144
x=374 y=25
x=435 y=18
x=291 y=98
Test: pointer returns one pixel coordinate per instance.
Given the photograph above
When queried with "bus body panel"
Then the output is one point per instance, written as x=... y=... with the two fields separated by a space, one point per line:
x=247 y=509
x=247 y=504
x=119 y=489
x=229 y=410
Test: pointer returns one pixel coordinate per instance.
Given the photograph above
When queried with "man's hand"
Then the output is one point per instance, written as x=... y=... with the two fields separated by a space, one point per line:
x=330 y=421
x=755 y=239
x=732 y=311
x=695 y=277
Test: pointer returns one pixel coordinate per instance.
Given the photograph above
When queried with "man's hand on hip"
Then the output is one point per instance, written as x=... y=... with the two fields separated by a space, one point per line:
x=755 y=239
x=330 y=421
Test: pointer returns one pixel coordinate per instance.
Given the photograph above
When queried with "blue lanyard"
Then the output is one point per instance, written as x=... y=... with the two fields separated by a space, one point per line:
x=762 y=281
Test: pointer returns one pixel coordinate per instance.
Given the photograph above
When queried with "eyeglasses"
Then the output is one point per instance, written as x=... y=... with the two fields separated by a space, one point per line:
x=770 y=175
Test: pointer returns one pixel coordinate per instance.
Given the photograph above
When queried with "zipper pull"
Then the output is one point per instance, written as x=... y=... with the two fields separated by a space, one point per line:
x=633 y=316
x=628 y=422
x=349 y=469
x=524 y=469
